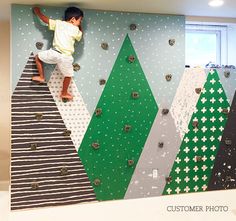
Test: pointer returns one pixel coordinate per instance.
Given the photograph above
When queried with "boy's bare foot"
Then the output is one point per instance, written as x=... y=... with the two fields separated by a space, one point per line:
x=67 y=96
x=38 y=79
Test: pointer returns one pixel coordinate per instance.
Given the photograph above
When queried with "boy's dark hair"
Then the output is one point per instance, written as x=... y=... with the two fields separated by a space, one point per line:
x=73 y=12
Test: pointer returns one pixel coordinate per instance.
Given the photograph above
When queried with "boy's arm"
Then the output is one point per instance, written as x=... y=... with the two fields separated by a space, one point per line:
x=44 y=18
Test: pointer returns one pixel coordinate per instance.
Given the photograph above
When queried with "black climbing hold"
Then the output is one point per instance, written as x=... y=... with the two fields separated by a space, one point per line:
x=127 y=128
x=66 y=133
x=95 y=145
x=97 y=182
x=33 y=146
x=64 y=100
x=64 y=171
x=76 y=67
x=165 y=111
x=34 y=185
x=171 y=42
x=98 y=111
x=227 y=74
x=160 y=144
x=168 y=77
x=133 y=27
x=39 y=116
x=131 y=58
x=198 y=158
x=198 y=90
x=228 y=141
x=130 y=162
x=168 y=179
x=39 y=45
x=135 y=95
x=195 y=124
x=225 y=111
x=102 y=81
x=104 y=45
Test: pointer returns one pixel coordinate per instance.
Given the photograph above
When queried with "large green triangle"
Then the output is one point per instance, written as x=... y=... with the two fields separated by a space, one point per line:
x=111 y=165
x=194 y=162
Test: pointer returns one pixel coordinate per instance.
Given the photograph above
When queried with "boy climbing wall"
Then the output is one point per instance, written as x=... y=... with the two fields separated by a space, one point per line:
x=65 y=34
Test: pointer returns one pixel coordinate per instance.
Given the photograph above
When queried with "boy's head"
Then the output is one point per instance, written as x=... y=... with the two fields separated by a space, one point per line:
x=74 y=15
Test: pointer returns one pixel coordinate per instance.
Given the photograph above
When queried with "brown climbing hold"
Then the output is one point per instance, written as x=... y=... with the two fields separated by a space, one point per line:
x=133 y=27
x=98 y=111
x=165 y=111
x=130 y=162
x=95 y=145
x=225 y=111
x=66 y=133
x=127 y=128
x=64 y=171
x=168 y=77
x=198 y=158
x=39 y=45
x=33 y=146
x=39 y=116
x=97 y=182
x=131 y=58
x=160 y=144
x=198 y=90
x=102 y=81
x=171 y=42
x=168 y=179
x=34 y=185
x=76 y=67
x=135 y=95
x=227 y=74
x=104 y=45
x=195 y=124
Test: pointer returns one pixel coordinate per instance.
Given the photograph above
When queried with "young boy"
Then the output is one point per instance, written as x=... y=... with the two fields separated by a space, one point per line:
x=65 y=34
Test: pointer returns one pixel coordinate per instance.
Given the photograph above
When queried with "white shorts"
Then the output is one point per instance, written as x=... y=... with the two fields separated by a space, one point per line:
x=64 y=62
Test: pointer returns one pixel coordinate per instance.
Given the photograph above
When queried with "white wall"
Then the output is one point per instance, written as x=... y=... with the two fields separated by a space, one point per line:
x=232 y=44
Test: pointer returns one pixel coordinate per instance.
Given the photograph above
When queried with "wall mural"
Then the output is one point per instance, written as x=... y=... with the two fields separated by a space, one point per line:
x=139 y=124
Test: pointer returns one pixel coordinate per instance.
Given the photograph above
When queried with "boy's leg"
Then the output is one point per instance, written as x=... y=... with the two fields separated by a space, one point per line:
x=39 y=65
x=65 y=94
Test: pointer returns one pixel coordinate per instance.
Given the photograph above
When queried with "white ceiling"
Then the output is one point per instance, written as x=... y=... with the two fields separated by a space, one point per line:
x=183 y=7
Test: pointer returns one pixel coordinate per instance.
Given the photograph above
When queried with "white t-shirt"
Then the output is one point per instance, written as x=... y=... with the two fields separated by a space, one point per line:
x=65 y=35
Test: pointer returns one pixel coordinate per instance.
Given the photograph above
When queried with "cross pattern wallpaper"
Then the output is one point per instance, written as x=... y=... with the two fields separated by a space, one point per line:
x=140 y=124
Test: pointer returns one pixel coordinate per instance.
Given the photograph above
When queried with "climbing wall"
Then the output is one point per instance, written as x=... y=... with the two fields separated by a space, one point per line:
x=193 y=164
x=45 y=167
x=119 y=128
x=224 y=172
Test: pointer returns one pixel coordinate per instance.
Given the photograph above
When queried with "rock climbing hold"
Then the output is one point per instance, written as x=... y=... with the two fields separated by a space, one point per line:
x=39 y=116
x=165 y=111
x=127 y=128
x=102 y=81
x=104 y=45
x=34 y=185
x=171 y=42
x=97 y=182
x=133 y=27
x=168 y=179
x=64 y=170
x=228 y=141
x=66 y=133
x=160 y=144
x=228 y=179
x=131 y=58
x=76 y=67
x=39 y=45
x=98 y=111
x=198 y=158
x=33 y=146
x=195 y=124
x=95 y=145
x=227 y=74
x=130 y=162
x=198 y=90
x=225 y=111
x=168 y=77
x=135 y=95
